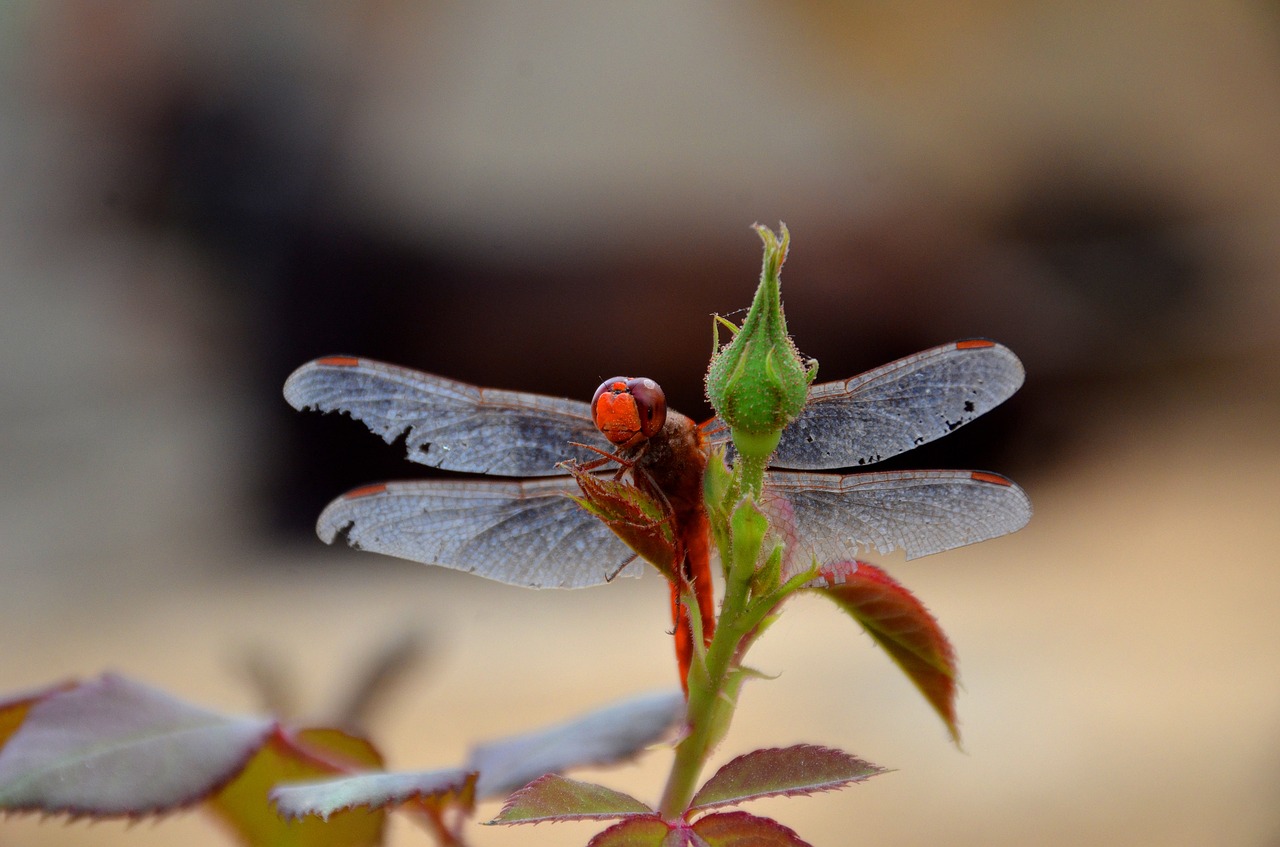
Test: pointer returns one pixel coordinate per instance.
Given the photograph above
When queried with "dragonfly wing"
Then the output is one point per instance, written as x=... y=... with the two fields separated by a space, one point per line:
x=836 y=518
x=449 y=424
x=901 y=405
x=520 y=533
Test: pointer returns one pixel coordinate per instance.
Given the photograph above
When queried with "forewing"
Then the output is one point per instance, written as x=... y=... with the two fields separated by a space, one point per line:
x=835 y=518
x=449 y=424
x=520 y=533
x=901 y=405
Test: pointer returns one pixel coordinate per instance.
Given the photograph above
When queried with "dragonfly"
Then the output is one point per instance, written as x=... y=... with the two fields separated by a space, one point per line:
x=528 y=530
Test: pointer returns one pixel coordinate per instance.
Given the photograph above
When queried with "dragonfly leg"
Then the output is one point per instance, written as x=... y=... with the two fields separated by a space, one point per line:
x=605 y=458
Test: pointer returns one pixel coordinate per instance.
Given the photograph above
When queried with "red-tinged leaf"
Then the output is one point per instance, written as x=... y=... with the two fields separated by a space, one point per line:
x=802 y=769
x=739 y=829
x=374 y=791
x=727 y=829
x=638 y=831
x=14 y=708
x=554 y=798
x=292 y=757
x=902 y=626
x=635 y=517
x=600 y=737
x=112 y=747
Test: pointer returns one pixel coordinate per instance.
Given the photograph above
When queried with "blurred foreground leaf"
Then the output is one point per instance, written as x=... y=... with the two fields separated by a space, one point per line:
x=599 y=737
x=289 y=757
x=115 y=747
x=375 y=791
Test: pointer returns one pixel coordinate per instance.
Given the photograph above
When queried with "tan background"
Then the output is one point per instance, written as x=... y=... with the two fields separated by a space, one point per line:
x=197 y=198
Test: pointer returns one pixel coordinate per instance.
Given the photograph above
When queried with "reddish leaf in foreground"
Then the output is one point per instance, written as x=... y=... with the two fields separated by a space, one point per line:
x=291 y=756
x=374 y=791
x=600 y=737
x=554 y=798
x=802 y=769
x=638 y=831
x=901 y=625
x=739 y=829
x=112 y=746
x=721 y=829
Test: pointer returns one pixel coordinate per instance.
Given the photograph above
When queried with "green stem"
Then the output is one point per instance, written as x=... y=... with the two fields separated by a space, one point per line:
x=714 y=677
x=714 y=684
x=753 y=468
x=712 y=699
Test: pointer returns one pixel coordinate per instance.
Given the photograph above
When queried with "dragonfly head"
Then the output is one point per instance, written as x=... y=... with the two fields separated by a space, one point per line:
x=629 y=410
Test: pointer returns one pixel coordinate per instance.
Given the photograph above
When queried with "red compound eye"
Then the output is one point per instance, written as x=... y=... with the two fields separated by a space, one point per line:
x=651 y=403
x=624 y=408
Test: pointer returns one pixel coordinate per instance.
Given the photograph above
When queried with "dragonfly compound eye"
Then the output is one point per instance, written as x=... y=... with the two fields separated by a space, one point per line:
x=624 y=409
x=651 y=404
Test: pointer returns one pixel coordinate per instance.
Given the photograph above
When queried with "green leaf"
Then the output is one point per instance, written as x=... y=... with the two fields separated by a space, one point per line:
x=739 y=829
x=901 y=625
x=112 y=746
x=294 y=757
x=787 y=771
x=720 y=485
x=748 y=526
x=600 y=737
x=554 y=798
x=374 y=791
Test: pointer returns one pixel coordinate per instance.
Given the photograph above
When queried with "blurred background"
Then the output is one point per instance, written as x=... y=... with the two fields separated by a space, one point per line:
x=196 y=197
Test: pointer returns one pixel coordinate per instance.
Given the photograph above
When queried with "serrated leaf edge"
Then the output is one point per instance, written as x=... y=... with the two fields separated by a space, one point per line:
x=516 y=796
x=462 y=788
x=799 y=791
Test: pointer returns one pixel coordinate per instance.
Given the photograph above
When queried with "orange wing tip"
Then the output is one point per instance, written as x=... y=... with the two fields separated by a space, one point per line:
x=338 y=361
x=365 y=491
x=993 y=478
x=974 y=344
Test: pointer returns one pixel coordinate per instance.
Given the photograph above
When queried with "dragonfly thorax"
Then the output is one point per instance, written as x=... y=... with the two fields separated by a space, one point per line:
x=674 y=461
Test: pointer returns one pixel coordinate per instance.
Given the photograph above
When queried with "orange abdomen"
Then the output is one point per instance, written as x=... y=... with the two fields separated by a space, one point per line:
x=694 y=536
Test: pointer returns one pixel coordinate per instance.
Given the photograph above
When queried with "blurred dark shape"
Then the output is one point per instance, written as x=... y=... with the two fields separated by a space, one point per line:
x=242 y=166
x=238 y=167
x=365 y=690
x=378 y=680
x=1125 y=252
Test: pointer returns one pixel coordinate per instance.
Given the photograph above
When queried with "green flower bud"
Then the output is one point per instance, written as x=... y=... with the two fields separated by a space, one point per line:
x=758 y=383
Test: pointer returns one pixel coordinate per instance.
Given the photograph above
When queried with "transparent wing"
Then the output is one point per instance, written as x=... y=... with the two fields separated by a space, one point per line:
x=449 y=424
x=901 y=405
x=520 y=533
x=837 y=517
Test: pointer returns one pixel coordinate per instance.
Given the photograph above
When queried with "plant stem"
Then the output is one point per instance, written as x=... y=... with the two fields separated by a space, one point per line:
x=714 y=684
x=445 y=836
x=714 y=677
x=710 y=709
x=752 y=475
